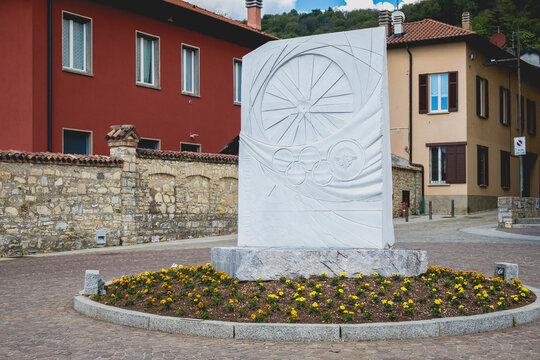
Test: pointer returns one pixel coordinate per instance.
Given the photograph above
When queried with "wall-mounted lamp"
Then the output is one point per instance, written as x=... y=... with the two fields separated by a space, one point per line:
x=193 y=136
x=471 y=56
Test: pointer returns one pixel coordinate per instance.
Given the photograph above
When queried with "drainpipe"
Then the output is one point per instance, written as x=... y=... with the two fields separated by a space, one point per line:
x=411 y=129
x=49 y=75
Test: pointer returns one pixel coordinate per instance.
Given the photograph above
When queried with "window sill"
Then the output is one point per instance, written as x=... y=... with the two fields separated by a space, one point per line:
x=191 y=94
x=483 y=186
x=149 y=86
x=438 y=184
x=505 y=188
x=482 y=117
x=78 y=72
x=237 y=103
x=438 y=112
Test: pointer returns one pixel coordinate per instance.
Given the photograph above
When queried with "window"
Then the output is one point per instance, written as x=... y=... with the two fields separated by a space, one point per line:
x=482 y=98
x=76 y=43
x=504 y=101
x=483 y=168
x=531 y=117
x=76 y=142
x=438 y=93
x=190 y=70
x=147 y=60
x=190 y=147
x=438 y=165
x=447 y=163
x=237 y=81
x=505 y=170
x=151 y=144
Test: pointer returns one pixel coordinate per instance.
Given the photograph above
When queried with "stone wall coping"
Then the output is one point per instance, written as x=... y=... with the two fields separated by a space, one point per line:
x=187 y=156
x=461 y=325
x=406 y=167
x=14 y=156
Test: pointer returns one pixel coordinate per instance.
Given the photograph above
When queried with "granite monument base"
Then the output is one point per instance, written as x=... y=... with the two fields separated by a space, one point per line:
x=252 y=263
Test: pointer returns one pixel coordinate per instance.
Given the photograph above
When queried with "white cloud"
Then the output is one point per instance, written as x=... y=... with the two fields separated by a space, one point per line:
x=368 y=4
x=236 y=9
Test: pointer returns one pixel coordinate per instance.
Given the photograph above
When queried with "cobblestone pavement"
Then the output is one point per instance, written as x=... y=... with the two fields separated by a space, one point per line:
x=37 y=320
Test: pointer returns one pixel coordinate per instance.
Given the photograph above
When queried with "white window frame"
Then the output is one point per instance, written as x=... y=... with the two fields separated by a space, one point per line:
x=188 y=143
x=195 y=71
x=90 y=139
x=482 y=97
x=156 y=65
x=439 y=96
x=439 y=166
x=237 y=79
x=87 y=43
x=151 y=139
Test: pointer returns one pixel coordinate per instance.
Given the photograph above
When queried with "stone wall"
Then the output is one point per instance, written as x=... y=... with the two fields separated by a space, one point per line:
x=54 y=207
x=403 y=179
x=57 y=202
x=513 y=208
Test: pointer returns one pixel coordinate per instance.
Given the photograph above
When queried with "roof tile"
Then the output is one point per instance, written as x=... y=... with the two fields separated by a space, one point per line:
x=187 y=156
x=428 y=29
x=14 y=156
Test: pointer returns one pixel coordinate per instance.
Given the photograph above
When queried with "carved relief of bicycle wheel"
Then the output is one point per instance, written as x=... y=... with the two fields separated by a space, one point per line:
x=307 y=99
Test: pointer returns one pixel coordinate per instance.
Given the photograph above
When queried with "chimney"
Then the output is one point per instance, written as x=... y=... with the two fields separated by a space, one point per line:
x=254 y=13
x=466 y=21
x=384 y=20
x=398 y=18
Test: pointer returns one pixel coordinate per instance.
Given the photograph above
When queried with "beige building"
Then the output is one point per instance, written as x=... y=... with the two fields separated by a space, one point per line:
x=457 y=116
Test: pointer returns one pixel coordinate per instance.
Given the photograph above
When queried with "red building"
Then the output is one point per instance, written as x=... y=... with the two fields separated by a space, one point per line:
x=71 y=68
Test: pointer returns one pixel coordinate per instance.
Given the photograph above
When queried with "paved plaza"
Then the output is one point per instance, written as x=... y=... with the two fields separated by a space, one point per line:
x=37 y=320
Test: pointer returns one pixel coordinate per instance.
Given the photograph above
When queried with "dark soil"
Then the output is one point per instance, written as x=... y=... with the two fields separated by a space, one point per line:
x=223 y=299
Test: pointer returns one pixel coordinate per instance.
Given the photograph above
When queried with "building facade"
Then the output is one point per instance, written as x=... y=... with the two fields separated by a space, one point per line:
x=455 y=112
x=71 y=68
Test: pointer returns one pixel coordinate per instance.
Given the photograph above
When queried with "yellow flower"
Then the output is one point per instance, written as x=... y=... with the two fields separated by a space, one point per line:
x=253 y=316
x=314 y=305
x=410 y=301
x=404 y=289
x=390 y=302
x=342 y=307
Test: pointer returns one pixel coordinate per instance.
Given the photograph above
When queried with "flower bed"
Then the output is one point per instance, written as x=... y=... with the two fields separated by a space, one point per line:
x=201 y=292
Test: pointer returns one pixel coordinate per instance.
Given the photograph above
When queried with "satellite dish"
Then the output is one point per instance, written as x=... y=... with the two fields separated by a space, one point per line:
x=498 y=39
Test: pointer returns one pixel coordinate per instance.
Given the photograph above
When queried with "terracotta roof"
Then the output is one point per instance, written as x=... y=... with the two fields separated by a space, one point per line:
x=58 y=159
x=122 y=132
x=187 y=156
x=187 y=5
x=428 y=30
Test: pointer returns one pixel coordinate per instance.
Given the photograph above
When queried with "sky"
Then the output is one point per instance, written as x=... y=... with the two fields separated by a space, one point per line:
x=236 y=9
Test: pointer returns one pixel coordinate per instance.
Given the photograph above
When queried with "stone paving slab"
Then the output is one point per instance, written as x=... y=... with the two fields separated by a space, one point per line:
x=37 y=319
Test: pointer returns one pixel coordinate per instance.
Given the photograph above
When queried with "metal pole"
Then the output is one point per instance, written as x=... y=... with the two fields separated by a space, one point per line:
x=430 y=211
x=520 y=113
x=407 y=214
x=452 y=210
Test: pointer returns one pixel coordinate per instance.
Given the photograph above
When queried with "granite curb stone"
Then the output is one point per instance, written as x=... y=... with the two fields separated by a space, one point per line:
x=287 y=332
x=312 y=332
x=207 y=328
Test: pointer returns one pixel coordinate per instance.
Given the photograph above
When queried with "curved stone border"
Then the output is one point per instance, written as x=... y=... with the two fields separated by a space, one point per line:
x=461 y=325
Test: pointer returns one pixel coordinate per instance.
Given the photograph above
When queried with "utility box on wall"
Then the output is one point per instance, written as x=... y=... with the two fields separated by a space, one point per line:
x=101 y=237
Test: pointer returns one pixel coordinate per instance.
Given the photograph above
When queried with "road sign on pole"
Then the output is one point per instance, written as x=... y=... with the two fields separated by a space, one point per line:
x=519 y=146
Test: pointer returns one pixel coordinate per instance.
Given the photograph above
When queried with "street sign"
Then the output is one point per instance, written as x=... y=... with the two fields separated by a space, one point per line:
x=519 y=146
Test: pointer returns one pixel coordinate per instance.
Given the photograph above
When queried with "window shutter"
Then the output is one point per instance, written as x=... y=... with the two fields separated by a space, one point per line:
x=486 y=167
x=508 y=108
x=461 y=168
x=478 y=84
x=422 y=94
x=452 y=91
x=451 y=164
x=479 y=165
x=486 y=97
x=501 y=105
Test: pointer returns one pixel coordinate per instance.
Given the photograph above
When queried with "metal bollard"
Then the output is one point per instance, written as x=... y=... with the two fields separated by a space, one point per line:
x=407 y=214
x=452 y=210
x=430 y=211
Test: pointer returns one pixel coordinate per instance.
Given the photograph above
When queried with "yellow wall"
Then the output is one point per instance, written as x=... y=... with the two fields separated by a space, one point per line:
x=463 y=125
x=427 y=128
x=491 y=133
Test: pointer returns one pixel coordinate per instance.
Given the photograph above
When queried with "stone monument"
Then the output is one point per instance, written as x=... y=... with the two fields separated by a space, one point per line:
x=315 y=182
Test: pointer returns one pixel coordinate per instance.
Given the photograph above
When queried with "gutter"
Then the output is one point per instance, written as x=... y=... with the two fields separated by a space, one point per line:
x=49 y=75
x=411 y=129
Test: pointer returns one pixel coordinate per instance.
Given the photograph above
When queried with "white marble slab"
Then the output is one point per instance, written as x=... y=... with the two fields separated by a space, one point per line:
x=315 y=166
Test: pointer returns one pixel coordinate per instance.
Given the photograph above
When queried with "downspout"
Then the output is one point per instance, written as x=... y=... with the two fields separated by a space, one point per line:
x=411 y=130
x=49 y=75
